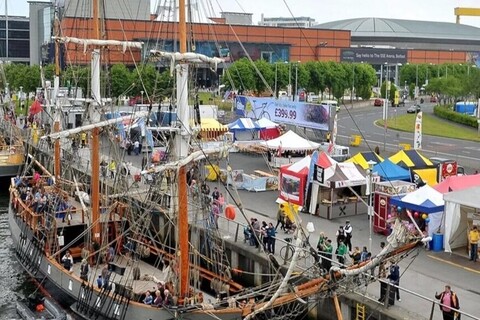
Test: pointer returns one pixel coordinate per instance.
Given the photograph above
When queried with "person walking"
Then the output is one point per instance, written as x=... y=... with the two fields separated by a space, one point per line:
x=473 y=237
x=448 y=299
x=348 y=235
x=394 y=277
x=280 y=218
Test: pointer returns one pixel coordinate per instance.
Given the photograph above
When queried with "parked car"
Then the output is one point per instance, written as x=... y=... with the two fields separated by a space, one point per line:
x=433 y=99
x=414 y=109
x=378 y=102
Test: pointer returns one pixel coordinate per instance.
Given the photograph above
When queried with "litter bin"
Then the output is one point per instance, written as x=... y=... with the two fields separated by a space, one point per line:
x=437 y=242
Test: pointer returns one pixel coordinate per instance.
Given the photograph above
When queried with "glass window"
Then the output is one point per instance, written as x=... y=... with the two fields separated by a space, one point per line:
x=22 y=25
x=18 y=34
x=267 y=56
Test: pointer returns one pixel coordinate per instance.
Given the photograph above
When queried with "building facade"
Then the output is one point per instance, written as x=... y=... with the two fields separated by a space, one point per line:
x=290 y=22
x=14 y=39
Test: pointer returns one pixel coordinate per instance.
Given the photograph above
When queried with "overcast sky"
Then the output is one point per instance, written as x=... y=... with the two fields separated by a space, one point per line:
x=321 y=11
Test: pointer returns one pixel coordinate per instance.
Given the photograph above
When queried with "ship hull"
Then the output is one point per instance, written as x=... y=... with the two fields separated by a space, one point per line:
x=90 y=301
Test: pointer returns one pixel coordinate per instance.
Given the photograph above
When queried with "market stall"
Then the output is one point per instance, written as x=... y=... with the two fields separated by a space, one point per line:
x=288 y=148
x=427 y=206
x=457 y=183
x=293 y=180
x=421 y=168
x=383 y=193
x=362 y=159
x=211 y=129
x=338 y=187
x=462 y=211
x=244 y=129
x=389 y=171
x=268 y=129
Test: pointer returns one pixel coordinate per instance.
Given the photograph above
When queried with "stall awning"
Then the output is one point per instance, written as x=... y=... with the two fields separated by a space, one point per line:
x=362 y=159
x=388 y=170
x=211 y=129
x=243 y=124
x=424 y=199
x=290 y=141
x=410 y=158
x=457 y=183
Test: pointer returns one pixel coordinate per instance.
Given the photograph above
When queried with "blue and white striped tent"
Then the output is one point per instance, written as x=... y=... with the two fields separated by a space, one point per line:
x=244 y=129
x=243 y=124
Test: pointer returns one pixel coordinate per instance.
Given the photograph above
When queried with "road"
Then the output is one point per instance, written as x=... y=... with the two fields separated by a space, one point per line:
x=361 y=121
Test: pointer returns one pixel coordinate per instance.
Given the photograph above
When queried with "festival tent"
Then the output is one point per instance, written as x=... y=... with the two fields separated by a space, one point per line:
x=293 y=179
x=421 y=168
x=345 y=174
x=387 y=170
x=425 y=199
x=211 y=129
x=290 y=141
x=460 y=207
x=426 y=175
x=362 y=159
x=268 y=129
x=457 y=183
x=244 y=129
x=410 y=159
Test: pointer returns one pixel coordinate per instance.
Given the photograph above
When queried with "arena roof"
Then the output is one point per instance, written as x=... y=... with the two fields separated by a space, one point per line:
x=396 y=28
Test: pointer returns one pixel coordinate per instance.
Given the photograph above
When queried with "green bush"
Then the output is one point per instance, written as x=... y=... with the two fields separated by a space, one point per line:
x=446 y=112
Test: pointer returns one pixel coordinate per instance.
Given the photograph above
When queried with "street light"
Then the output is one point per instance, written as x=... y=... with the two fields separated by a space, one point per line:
x=385 y=107
x=416 y=83
x=369 y=193
x=289 y=90
x=296 y=81
x=353 y=82
x=276 y=71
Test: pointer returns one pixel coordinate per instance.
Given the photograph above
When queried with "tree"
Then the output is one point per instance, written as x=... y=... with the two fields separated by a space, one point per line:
x=263 y=76
x=365 y=78
x=120 y=79
x=316 y=79
x=240 y=76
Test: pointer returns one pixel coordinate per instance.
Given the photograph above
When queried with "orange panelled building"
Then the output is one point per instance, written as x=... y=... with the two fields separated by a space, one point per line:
x=260 y=42
x=436 y=57
x=301 y=44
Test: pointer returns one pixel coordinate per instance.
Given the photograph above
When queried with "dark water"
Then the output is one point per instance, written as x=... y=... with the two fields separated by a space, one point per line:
x=14 y=282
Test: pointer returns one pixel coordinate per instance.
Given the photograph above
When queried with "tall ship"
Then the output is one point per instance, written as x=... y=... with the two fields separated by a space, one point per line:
x=145 y=245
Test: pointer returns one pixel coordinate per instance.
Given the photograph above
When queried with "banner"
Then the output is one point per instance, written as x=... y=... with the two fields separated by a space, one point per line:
x=417 y=139
x=255 y=183
x=308 y=115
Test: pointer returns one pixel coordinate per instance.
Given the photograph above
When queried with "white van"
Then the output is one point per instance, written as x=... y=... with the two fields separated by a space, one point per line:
x=331 y=103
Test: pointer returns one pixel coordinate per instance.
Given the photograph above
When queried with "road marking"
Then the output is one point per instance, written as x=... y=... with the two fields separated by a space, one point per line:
x=443 y=144
x=453 y=264
x=467 y=152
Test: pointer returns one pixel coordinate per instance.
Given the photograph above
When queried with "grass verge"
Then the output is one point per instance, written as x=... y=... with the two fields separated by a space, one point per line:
x=209 y=98
x=433 y=126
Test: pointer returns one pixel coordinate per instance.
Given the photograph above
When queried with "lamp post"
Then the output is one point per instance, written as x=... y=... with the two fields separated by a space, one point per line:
x=289 y=80
x=385 y=108
x=353 y=82
x=369 y=193
x=142 y=95
x=295 y=97
x=416 y=82
x=276 y=72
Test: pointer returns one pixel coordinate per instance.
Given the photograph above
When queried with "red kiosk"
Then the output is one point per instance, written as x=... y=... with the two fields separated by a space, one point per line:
x=381 y=201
